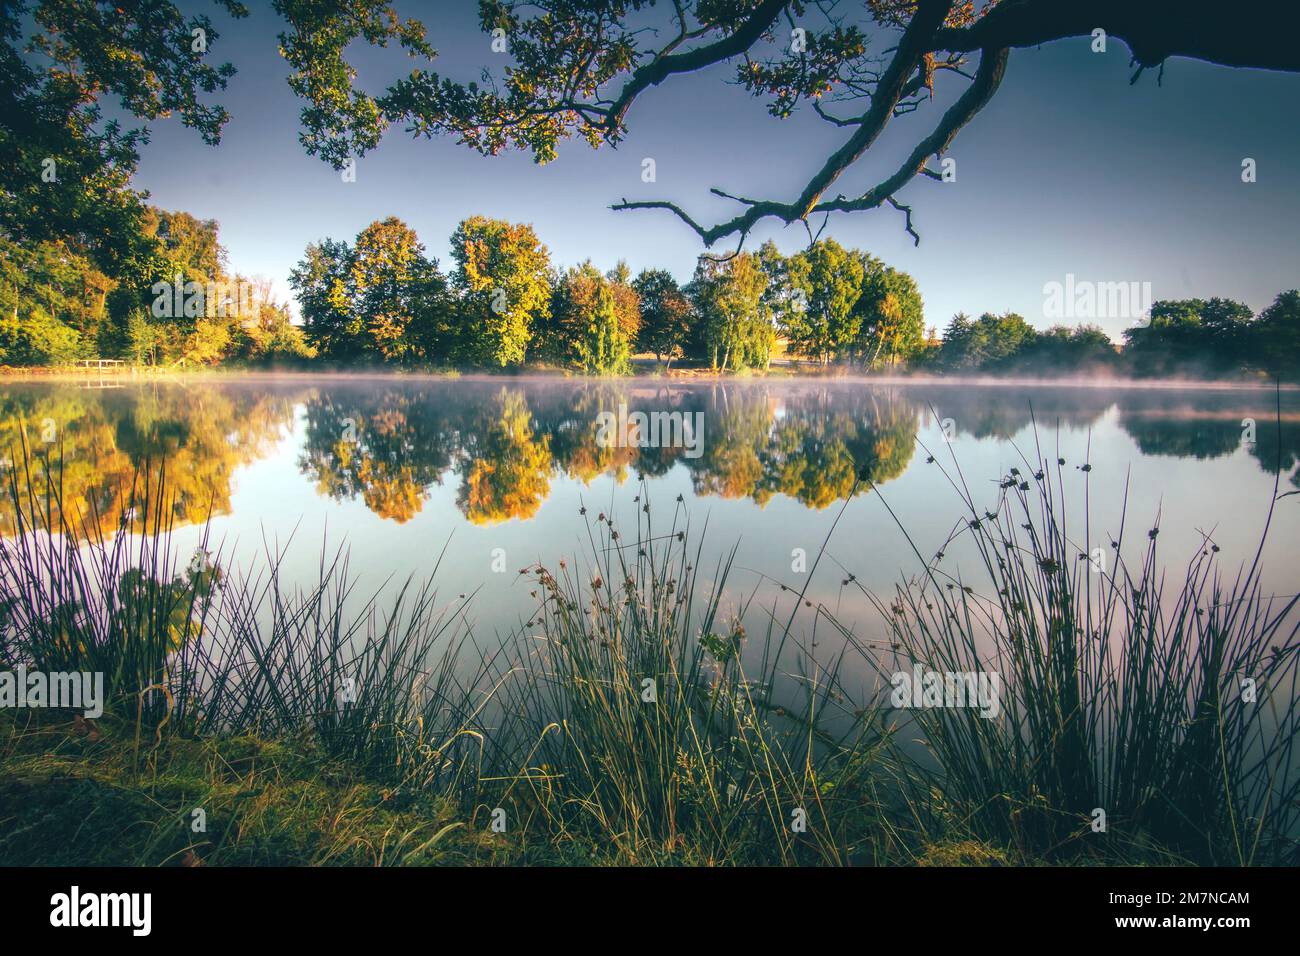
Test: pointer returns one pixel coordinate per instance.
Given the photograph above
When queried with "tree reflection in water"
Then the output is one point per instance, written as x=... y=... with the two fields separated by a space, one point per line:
x=388 y=443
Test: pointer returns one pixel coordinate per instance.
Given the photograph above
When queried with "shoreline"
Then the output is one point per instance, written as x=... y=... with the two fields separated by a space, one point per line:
x=676 y=376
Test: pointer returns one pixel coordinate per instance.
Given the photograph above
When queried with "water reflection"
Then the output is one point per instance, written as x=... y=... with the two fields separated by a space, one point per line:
x=506 y=444
x=1208 y=427
x=385 y=447
x=501 y=444
x=199 y=436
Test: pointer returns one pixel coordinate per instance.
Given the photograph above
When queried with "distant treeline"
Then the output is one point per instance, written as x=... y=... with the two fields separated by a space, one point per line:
x=1214 y=338
x=381 y=300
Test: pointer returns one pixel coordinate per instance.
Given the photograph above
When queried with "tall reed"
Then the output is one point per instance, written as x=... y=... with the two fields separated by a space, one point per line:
x=1162 y=711
x=660 y=724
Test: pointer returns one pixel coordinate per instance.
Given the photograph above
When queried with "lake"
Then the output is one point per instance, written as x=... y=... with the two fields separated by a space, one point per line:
x=485 y=476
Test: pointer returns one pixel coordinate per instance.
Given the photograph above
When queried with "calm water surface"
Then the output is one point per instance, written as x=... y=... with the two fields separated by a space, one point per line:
x=493 y=474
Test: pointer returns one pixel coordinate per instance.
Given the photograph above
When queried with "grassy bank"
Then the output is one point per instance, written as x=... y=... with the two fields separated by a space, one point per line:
x=631 y=721
x=74 y=794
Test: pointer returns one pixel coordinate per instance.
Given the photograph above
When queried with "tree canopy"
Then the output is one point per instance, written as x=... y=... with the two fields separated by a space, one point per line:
x=593 y=321
x=572 y=69
x=65 y=170
x=503 y=275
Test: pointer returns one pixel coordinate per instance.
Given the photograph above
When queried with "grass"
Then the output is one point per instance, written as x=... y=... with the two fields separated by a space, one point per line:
x=1171 y=708
x=73 y=795
x=632 y=721
x=656 y=738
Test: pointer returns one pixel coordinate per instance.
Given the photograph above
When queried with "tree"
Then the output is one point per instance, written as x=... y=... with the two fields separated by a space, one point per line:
x=1275 y=337
x=191 y=244
x=52 y=303
x=1006 y=335
x=207 y=343
x=990 y=342
x=1226 y=327
x=145 y=339
x=735 y=326
x=891 y=315
x=340 y=122
x=589 y=322
x=1083 y=349
x=64 y=171
x=579 y=66
x=189 y=259
x=503 y=277
x=400 y=294
x=627 y=304
x=781 y=301
x=268 y=335
x=1190 y=336
x=380 y=299
x=827 y=282
x=963 y=344
x=665 y=314
x=320 y=280
x=603 y=348
x=40 y=339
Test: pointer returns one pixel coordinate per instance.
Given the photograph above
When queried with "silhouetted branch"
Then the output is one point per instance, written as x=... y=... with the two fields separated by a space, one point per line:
x=665 y=64
x=1252 y=33
x=911 y=50
x=987 y=79
x=907 y=212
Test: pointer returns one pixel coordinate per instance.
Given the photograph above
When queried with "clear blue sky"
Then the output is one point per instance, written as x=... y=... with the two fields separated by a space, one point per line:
x=1069 y=170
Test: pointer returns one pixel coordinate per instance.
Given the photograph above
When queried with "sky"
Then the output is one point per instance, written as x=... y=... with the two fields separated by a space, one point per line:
x=1070 y=170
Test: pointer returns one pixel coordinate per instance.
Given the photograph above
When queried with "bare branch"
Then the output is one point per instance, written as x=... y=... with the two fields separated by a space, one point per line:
x=907 y=212
x=929 y=16
x=666 y=64
x=988 y=77
x=740 y=199
x=1153 y=30
x=817 y=108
